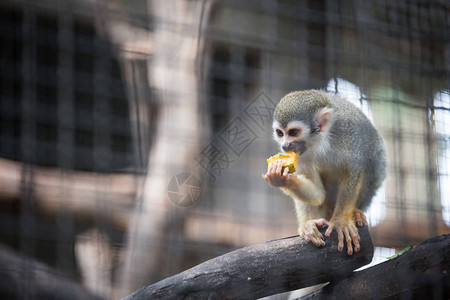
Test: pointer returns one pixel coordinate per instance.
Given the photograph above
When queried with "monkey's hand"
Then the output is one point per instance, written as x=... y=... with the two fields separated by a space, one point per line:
x=346 y=228
x=276 y=176
x=309 y=232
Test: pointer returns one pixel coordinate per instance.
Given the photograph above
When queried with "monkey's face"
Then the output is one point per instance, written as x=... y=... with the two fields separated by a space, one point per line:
x=302 y=121
x=292 y=137
x=304 y=135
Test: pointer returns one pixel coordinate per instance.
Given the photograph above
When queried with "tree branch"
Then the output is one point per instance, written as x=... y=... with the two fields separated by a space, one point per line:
x=421 y=273
x=261 y=270
x=25 y=278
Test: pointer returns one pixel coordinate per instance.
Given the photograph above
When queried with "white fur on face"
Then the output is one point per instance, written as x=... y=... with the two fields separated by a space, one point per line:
x=303 y=129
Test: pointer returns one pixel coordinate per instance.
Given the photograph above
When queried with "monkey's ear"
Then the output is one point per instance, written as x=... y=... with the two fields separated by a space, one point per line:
x=324 y=119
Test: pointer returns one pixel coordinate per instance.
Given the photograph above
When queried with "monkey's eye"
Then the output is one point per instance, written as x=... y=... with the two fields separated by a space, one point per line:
x=293 y=132
x=279 y=133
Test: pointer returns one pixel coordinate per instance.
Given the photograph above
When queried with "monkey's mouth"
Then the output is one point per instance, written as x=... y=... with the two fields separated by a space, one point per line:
x=301 y=148
x=298 y=147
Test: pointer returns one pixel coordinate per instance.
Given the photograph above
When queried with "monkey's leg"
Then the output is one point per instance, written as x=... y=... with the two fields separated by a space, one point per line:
x=308 y=223
x=345 y=212
x=359 y=217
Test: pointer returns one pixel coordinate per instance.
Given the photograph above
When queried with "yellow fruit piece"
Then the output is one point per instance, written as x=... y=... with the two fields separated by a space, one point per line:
x=290 y=159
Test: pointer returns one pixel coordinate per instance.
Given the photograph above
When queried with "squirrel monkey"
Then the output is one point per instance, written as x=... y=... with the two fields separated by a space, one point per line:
x=341 y=165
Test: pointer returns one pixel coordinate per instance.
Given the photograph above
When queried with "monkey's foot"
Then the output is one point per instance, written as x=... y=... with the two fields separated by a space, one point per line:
x=347 y=230
x=309 y=232
x=359 y=217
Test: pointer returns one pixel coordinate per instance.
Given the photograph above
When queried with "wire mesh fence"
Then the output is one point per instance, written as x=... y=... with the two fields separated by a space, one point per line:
x=133 y=134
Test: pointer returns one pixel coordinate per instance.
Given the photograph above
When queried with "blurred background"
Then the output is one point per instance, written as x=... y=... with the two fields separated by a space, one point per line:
x=133 y=134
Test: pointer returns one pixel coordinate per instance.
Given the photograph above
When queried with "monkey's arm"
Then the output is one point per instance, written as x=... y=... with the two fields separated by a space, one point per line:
x=345 y=212
x=299 y=187
x=308 y=222
x=307 y=193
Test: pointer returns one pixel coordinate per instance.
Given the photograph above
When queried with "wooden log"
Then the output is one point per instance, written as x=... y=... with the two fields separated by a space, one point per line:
x=24 y=278
x=421 y=273
x=261 y=270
